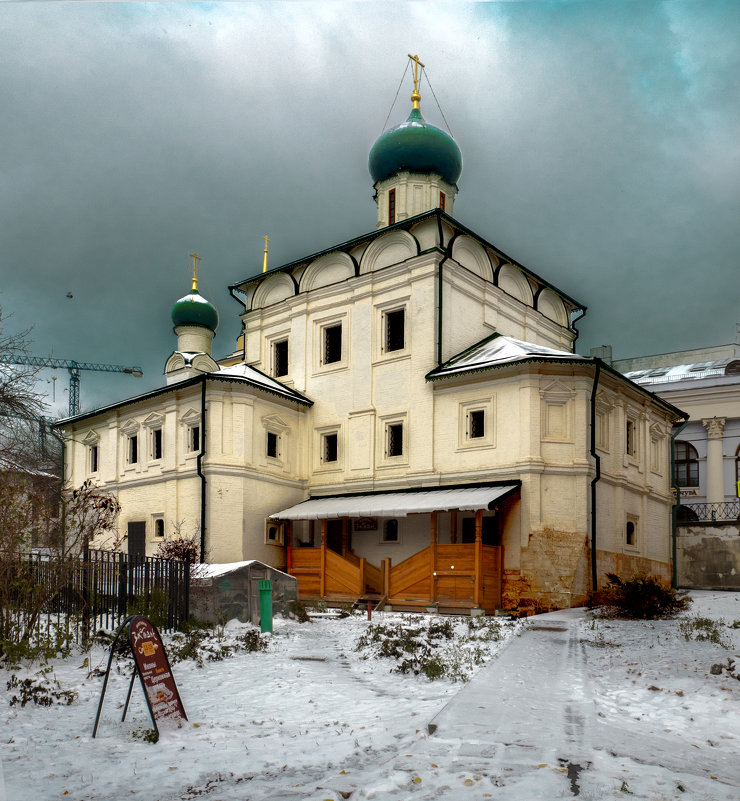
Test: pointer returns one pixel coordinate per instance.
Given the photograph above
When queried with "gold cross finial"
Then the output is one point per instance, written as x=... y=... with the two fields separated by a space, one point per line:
x=264 y=260
x=196 y=258
x=415 y=96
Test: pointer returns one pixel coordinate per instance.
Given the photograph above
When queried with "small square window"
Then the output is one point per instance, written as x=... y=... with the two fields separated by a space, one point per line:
x=330 y=448
x=394 y=445
x=280 y=358
x=332 y=344
x=93 y=458
x=395 y=335
x=193 y=438
x=156 y=443
x=272 y=445
x=274 y=533
x=390 y=531
x=132 y=450
x=477 y=424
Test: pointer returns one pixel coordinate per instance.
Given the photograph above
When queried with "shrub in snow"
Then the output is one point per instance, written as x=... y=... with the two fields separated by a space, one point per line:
x=704 y=629
x=642 y=597
x=40 y=690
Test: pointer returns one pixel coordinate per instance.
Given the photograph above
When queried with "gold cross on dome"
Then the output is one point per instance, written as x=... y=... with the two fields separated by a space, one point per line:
x=196 y=258
x=264 y=260
x=415 y=96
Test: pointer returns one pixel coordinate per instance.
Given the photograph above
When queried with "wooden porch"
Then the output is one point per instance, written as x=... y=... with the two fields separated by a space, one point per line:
x=453 y=577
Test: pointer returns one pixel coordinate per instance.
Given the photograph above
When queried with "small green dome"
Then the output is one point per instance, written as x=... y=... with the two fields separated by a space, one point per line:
x=417 y=146
x=194 y=309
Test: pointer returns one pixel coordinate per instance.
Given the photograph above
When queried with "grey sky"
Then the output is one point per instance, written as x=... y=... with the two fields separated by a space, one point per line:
x=600 y=146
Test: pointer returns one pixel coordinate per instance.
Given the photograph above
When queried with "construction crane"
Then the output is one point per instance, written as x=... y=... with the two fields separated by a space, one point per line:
x=74 y=372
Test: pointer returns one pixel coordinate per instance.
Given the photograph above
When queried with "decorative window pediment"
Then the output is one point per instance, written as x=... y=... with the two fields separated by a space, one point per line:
x=274 y=423
x=91 y=438
x=191 y=417
x=129 y=427
x=154 y=420
x=558 y=390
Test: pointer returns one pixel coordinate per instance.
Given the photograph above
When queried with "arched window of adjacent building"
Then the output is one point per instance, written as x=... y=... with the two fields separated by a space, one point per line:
x=687 y=464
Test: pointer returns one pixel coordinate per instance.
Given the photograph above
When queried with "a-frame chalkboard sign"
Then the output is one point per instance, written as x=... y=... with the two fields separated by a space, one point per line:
x=153 y=668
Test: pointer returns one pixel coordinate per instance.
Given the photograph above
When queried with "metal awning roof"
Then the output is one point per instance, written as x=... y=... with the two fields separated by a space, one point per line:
x=398 y=504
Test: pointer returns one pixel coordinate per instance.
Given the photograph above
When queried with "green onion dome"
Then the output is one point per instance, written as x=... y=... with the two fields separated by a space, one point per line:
x=417 y=146
x=194 y=309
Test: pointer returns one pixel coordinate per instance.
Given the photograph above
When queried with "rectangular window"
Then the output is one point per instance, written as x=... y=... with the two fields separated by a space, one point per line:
x=93 y=458
x=390 y=531
x=630 y=534
x=442 y=200
x=280 y=358
x=391 y=207
x=395 y=335
x=394 y=445
x=630 y=444
x=272 y=445
x=194 y=438
x=132 y=455
x=159 y=528
x=477 y=424
x=330 y=450
x=156 y=443
x=332 y=350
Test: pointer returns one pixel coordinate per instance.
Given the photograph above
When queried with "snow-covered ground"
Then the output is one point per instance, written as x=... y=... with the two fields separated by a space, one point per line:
x=311 y=718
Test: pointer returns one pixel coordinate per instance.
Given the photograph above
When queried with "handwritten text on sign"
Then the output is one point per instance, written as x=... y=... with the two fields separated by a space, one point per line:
x=154 y=669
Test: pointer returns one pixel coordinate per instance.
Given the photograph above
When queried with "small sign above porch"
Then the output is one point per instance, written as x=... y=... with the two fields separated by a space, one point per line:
x=400 y=504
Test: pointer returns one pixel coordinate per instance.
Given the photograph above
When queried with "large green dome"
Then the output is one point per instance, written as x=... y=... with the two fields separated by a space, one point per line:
x=417 y=146
x=194 y=309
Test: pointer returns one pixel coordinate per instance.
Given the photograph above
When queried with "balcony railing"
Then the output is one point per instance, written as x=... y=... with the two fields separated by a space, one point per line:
x=723 y=512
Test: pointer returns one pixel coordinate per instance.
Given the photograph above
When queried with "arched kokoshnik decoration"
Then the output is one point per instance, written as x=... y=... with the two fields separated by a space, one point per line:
x=388 y=249
x=471 y=255
x=549 y=304
x=329 y=269
x=513 y=281
x=273 y=289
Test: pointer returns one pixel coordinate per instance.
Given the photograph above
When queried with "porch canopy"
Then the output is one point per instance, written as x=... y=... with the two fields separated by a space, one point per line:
x=400 y=504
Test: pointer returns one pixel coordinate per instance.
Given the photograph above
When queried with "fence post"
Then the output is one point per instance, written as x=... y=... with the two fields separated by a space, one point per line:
x=186 y=611
x=86 y=592
x=122 y=584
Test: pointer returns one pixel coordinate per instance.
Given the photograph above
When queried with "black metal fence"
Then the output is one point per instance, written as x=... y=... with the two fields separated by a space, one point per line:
x=73 y=598
x=723 y=512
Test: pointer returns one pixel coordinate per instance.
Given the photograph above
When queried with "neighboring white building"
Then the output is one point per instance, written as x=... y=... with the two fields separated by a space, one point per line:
x=705 y=382
x=405 y=416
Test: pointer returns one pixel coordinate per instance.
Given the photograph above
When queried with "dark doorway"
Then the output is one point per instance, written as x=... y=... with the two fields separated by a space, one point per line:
x=334 y=535
x=137 y=540
x=490 y=531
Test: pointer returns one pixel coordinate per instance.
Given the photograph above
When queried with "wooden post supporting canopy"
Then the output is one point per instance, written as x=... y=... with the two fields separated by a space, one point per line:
x=453 y=527
x=322 y=582
x=433 y=557
x=478 y=556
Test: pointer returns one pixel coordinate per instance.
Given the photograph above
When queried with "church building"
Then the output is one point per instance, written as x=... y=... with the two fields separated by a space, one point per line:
x=405 y=418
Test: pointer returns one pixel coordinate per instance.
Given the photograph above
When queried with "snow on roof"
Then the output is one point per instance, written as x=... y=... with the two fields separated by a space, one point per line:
x=679 y=372
x=211 y=571
x=397 y=504
x=499 y=350
x=244 y=371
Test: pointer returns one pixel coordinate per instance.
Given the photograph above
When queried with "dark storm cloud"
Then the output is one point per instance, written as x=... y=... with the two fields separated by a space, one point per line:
x=599 y=141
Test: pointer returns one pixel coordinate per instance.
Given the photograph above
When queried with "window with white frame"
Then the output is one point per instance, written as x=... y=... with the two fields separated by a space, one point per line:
x=630 y=439
x=273 y=445
x=394 y=330
x=631 y=532
x=158 y=527
x=280 y=358
x=331 y=344
x=390 y=531
x=329 y=447
x=476 y=423
x=132 y=449
x=155 y=443
x=394 y=439
x=93 y=457
x=193 y=438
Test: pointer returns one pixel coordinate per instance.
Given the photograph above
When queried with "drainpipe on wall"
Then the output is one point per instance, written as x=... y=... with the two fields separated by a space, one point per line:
x=674 y=508
x=573 y=327
x=439 y=290
x=200 y=469
x=597 y=463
